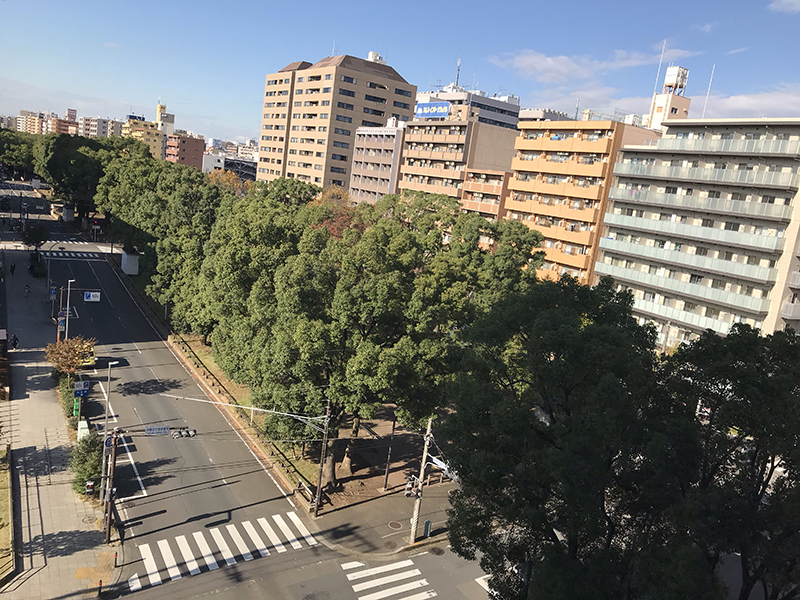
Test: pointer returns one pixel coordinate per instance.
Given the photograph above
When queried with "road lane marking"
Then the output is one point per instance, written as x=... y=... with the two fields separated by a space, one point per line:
x=360 y=587
x=421 y=596
x=273 y=538
x=302 y=528
x=378 y=570
x=154 y=373
x=251 y=531
x=399 y=590
x=223 y=546
x=244 y=552
x=150 y=565
x=135 y=470
x=134 y=583
x=286 y=531
x=169 y=560
x=208 y=556
x=188 y=557
x=352 y=565
x=483 y=582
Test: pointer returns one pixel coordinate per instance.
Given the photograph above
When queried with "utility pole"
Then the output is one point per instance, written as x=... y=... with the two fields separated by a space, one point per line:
x=112 y=463
x=322 y=459
x=412 y=538
x=389 y=456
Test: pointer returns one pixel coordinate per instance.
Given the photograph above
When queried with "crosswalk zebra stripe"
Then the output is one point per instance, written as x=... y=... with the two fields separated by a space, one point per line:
x=223 y=546
x=134 y=583
x=273 y=538
x=251 y=531
x=352 y=565
x=378 y=570
x=359 y=587
x=237 y=539
x=287 y=532
x=188 y=557
x=421 y=596
x=302 y=528
x=208 y=556
x=150 y=565
x=395 y=590
x=169 y=560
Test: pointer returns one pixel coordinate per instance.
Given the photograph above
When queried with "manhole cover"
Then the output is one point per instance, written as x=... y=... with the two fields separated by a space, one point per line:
x=394 y=525
x=88 y=520
x=391 y=545
x=436 y=551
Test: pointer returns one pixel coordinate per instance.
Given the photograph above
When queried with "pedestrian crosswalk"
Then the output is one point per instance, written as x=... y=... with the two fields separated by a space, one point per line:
x=172 y=559
x=63 y=255
x=394 y=581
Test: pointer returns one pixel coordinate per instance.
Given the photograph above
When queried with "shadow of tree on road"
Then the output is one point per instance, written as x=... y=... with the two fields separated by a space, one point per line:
x=149 y=387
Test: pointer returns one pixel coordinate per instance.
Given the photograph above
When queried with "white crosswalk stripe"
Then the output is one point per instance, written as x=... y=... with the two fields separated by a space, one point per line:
x=388 y=581
x=162 y=563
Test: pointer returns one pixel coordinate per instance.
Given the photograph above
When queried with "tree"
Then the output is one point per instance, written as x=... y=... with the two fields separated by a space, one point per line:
x=35 y=235
x=568 y=454
x=86 y=462
x=745 y=497
x=16 y=151
x=67 y=356
x=229 y=181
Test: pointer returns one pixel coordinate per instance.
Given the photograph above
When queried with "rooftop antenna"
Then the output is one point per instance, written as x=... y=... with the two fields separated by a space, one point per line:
x=458 y=70
x=660 y=60
x=708 y=93
x=577 y=108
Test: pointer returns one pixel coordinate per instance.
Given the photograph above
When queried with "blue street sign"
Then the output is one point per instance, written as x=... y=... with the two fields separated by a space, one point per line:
x=109 y=441
x=62 y=324
x=81 y=385
x=81 y=393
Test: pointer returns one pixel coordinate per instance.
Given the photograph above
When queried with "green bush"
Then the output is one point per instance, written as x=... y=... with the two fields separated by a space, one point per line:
x=39 y=269
x=87 y=463
x=66 y=391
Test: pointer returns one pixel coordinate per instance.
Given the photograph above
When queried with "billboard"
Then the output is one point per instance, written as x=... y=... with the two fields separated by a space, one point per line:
x=432 y=110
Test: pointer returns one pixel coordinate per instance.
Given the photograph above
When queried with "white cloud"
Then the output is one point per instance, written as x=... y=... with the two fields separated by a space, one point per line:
x=737 y=50
x=781 y=101
x=706 y=28
x=557 y=69
x=785 y=6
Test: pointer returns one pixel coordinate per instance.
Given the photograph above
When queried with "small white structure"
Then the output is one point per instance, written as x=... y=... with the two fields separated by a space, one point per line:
x=130 y=263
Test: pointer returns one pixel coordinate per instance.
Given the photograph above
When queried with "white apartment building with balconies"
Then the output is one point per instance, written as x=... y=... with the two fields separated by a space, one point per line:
x=702 y=226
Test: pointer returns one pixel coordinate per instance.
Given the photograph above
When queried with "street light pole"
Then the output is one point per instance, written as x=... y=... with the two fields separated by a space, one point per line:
x=66 y=332
x=105 y=428
x=50 y=281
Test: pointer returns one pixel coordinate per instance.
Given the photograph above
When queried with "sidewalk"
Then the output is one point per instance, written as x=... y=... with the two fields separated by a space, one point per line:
x=59 y=543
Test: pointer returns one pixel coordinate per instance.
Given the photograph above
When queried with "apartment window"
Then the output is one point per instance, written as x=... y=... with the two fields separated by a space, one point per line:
x=291 y=163
x=293 y=140
x=736 y=196
x=295 y=128
x=372 y=111
x=299 y=80
x=318 y=167
x=338 y=157
x=320 y=155
x=671 y=190
x=728 y=256
x=660 y=243
x=298 y=92
x=712 y=313
x=323 y=128
x=377 y=99
x=341 y=170
x=701 y=251
x=346 y=92
x=768 y=199
x=326 y=90
x=370 y=124
x=689 y=306
x=283 y=92
x=673 y=111
x=341 y=131
x=323 y=116
x=325 y=103
x=345 y=105
x=720 y=165
x=708 y=222
x=295 y=115
x=339 y=144
x=272 y=82
x=400 y=92
x=713 y=194
x=344 y=119
x=347 y=79
x=694 y=278
x=298 y=104
x=269 y=104
x=266 y=138
x=270 y=94
x=731 y=226
x=328 y=77
x=403 y=105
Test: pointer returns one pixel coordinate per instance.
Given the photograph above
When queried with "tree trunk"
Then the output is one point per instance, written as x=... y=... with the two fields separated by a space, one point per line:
x=329 y=481
x=748 y=580
x=347 y=461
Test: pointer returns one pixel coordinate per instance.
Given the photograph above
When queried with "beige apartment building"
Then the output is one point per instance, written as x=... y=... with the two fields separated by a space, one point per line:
x=146 y=132
x=377 y=152
x=485 y=192
x=312 y=112
x=562 y=172
x=438 y=152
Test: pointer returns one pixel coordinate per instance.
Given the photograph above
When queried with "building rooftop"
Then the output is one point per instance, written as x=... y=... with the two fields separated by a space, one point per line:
x=295 y=66
x=733 y=122
x=359 y=64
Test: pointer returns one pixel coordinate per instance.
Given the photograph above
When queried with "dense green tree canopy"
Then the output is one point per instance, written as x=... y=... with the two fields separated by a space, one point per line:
x=16 y=152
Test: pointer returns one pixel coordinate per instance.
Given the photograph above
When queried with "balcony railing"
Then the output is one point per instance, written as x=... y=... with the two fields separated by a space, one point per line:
x=673 y=287
x=703 y=264
x=677 y=317
x=704 y=204
x=787 y=147
x=680 y=231
x=732 y=176
x=791 y=311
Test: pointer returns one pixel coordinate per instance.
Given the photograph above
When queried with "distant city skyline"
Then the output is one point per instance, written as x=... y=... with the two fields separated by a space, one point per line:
x=208 y=65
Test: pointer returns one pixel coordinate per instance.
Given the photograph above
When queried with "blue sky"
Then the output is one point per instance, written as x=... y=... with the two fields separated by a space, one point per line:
x=207 y=60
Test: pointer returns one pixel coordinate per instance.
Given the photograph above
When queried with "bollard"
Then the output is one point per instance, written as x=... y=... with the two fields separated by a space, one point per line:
x=427 y=531
x=115 y=560
x=100 y=588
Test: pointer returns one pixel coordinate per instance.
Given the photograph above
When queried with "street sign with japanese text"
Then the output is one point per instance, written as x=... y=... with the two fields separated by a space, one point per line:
x=91 y=296
x=156 y=430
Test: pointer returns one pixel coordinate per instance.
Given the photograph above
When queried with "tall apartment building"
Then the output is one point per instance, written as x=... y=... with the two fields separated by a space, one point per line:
x=311 y=113
x=485 y=193
x=186 y=150
x=166 y=125
x=71 y=114
x=562 y=173
x=34 y=122
x=144 y=131
x=376 y=161
x=455 y=130
x=702 y=227
x=92 y=127
x=62 y=126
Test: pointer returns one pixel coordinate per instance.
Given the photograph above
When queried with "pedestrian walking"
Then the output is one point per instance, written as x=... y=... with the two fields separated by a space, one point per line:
x=13 y=342
x=27 y=290
x=30 y=268
x=13 y=268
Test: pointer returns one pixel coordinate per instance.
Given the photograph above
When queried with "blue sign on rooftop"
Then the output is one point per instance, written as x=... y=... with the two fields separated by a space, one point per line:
x=432 y=110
